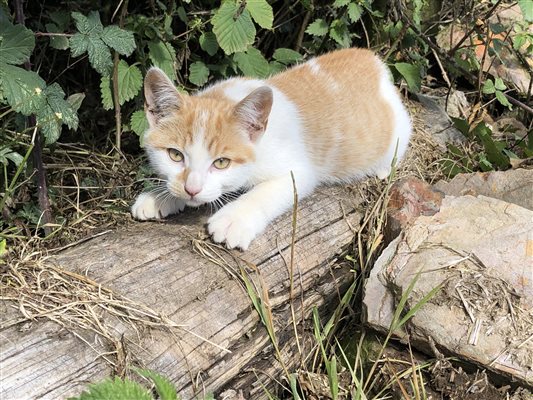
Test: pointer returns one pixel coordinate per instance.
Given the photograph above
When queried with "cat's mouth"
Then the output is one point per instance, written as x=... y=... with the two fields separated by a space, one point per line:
x=194 y=202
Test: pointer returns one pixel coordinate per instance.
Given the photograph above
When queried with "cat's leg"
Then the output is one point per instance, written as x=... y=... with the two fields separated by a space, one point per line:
x=240 y=221
x=152 y=205
x=383 y=173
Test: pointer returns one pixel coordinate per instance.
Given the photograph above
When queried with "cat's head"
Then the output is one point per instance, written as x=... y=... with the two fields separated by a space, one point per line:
x=203 y=146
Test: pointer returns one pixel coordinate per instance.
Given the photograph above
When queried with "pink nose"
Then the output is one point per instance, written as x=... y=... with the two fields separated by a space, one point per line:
x=192 y=191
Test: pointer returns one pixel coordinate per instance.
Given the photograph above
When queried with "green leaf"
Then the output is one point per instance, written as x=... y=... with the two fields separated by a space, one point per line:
x=163 y=56
x=318 y=27
x=287 y=56
x=57 y=42
x=411 y=74
x=118 y=39
x=252 y=63
x=130 y=81
x=354 y=12
x=208 y=43
x=488 y=87
x=164 y=388
x=499 y=85
x=16 y=43
x=54 y=112
x=2 y=247
x=494 y=154
x=22 y=89
x=88 y=25
x=99 y=56
x=340 y=3
x=75 y=100
x=139 y=123
x=78 y=44
x=105 y=91
x=198 y=73
x=527 y=9
x=233 y=27
x=114 y=390
x=339 y=32
x=261 y=12
x=503 y=100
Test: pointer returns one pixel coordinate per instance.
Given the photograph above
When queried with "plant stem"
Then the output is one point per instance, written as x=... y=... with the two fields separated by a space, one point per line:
x=42 y=187
x=116 y=100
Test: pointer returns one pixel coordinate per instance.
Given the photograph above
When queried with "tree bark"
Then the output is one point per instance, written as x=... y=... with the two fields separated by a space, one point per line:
x=180 y=277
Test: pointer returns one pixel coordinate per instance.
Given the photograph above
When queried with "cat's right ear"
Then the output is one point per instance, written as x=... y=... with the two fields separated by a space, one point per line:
x=161 y=96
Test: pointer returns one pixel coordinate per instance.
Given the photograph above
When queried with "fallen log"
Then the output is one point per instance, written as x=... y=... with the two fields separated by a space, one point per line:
x=160 y=296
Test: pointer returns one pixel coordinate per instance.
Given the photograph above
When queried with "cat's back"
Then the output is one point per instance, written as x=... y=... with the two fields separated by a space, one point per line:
x=349 y=109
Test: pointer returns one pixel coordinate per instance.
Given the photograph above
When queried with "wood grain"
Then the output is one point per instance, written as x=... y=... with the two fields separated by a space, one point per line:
x=159 y=266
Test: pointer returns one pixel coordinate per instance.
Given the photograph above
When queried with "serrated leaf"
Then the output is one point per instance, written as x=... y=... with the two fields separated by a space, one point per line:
x=287 y=56
x=78 y=44
x=130 y=81
x=208 y=43
x=276 y=66
x=88 y=25
x=56 y=42
x=499 y=85
x=139 y=123
x=340 y=3
x=527 y=9
x=115 y=389
x=118 y=39
x=252 y=63
x=163 y=56
x=54 y=112
x=488 y=87
x=16 y=43
x=261 y=12
x=75 y=100
x=339 y=32
x=198 y=73
x=164 y=388
x=99 y=56
x=22 y=89
x=233 y=27
x=354 y=12
x=411 y=74
x=105 y=91
x=503 y=100
x=494 y=154
x=318 y=27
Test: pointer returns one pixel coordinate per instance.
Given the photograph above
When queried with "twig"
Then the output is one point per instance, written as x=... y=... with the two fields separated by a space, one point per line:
x=42 y=188
x=300 y=38
x=473 y=29
x=116 y=100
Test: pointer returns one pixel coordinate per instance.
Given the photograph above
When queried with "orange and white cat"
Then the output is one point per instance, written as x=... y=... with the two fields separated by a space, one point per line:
x=333 y=119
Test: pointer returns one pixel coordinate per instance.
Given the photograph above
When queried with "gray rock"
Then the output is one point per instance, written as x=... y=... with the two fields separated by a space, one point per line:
x=513 y=186
x=480 y=251
x=437 y=122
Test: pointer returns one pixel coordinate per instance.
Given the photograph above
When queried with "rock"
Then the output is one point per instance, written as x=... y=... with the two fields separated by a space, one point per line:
x=513 y=186
x=480 y=251
x=408 y=199
x=437 y=122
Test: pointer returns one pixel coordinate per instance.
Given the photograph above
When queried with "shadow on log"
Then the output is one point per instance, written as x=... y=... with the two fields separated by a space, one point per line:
x=179 y=305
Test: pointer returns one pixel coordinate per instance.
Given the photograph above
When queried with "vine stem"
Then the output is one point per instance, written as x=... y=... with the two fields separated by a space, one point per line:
x=42 y=187
x=116 y=100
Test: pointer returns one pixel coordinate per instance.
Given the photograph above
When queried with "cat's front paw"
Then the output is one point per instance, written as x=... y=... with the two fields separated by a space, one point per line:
x=236 y=225
x=150 y=206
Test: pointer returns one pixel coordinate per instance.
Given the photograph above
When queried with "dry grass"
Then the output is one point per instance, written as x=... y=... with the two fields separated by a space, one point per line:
x=91 y=194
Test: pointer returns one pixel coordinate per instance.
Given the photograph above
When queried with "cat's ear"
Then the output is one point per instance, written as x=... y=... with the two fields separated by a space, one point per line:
x=253 y=111
x=161 y=96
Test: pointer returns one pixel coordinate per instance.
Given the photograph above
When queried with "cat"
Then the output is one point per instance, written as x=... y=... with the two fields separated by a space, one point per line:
x=336 y=118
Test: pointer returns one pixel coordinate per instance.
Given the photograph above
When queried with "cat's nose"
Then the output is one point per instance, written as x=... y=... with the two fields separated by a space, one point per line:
x=192 y=191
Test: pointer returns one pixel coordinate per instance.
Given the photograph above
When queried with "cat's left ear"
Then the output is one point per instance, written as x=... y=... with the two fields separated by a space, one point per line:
x=253 y=111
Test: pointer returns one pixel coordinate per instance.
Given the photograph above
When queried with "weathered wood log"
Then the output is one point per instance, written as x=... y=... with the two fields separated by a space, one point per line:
x=169 y=277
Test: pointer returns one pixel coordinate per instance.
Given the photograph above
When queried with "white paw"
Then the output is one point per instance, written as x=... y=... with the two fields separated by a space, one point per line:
x=236 y=224
x=150 y=206
x=383 y=173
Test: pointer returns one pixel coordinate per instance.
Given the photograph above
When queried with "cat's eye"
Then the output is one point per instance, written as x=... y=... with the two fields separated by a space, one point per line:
x=175 y=155
x=221 y=163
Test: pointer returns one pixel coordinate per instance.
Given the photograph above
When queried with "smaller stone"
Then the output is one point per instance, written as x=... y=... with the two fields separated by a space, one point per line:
x=409 y=198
